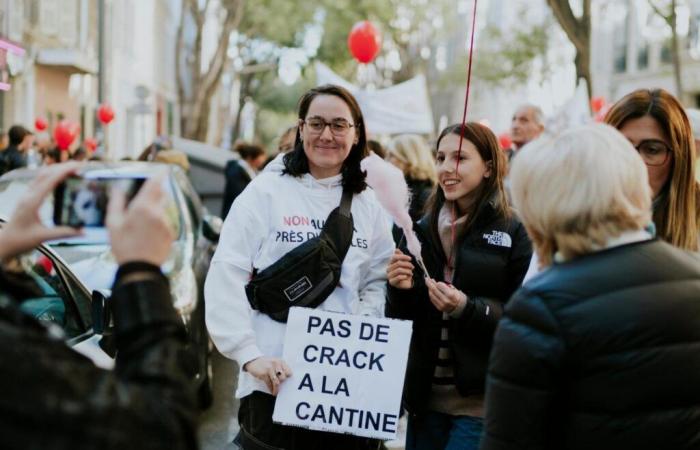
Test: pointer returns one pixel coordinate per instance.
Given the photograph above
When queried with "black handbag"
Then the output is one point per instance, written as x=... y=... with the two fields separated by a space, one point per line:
x=306 y=275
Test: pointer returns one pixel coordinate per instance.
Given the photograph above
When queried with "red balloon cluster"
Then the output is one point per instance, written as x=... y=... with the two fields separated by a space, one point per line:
x=40 y=124
x=105 y=113
x=505 y=141
x=90 y=144
x=597 y=103
x=65 y=133
x=600 y=107
x=364 y=41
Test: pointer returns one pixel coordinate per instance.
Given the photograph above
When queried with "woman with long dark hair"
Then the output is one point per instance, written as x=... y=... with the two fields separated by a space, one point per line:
x=657 y=126
x=280 y=209
x=477 y=253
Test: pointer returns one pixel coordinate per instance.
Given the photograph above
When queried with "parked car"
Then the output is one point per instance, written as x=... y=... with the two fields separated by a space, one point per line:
x=64 y=302
x=90 y=259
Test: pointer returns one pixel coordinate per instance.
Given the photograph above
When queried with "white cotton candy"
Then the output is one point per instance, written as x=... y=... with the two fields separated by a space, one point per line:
x=390 y=187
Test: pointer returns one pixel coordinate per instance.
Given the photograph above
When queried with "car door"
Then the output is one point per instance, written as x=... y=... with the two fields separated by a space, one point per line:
x=59 y=299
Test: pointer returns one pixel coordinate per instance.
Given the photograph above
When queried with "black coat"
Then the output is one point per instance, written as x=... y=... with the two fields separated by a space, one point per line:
x=52 y=397
x=12 y=158
x=488 y=272
x=602 y=352
x=236 y=180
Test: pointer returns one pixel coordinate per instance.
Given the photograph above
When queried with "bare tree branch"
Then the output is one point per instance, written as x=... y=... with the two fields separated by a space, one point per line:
x=667 y=17
x=179 y=49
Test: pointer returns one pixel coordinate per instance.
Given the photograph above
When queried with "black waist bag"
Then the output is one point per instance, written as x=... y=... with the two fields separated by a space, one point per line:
x=308 y=274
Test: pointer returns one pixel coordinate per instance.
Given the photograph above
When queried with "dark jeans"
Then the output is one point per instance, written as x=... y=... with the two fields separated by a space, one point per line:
x=438 y=431
x=258 y=432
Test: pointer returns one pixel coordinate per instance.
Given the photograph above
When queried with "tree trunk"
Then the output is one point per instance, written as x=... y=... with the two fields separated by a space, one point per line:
x=578 y=30
x=583 y=68
x=195 y=107
x=675 y=52
x=246 y=80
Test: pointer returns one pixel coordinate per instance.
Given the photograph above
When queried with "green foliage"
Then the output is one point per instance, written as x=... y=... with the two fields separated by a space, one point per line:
x=279 y=97
x=508 y=59
x=276 y=21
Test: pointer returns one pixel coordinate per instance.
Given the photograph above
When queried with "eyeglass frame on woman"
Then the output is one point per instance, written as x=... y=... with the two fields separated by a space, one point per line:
x=338 y=121
x=656 y=141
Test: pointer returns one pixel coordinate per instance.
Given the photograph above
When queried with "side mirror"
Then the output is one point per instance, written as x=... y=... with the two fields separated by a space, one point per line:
x=211 y=227
x=101 y=313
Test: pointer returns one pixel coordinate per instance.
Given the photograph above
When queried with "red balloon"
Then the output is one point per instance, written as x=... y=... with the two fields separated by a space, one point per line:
x=600 y=115
x=45 y=263
x=65 y=133
x=105 y=113
x=364 y=41
x=40 y=124
x=505 y=141
x=90 y=144
x=597 y=103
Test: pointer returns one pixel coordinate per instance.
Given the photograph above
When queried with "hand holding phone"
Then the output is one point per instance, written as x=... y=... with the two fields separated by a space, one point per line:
x=82 y=201
x=25 y=230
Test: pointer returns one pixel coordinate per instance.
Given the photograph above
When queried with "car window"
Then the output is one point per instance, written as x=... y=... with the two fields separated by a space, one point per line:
x=48 y=298
x=194 y=205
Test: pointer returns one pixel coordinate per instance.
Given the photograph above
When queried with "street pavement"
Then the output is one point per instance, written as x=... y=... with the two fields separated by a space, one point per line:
x=218 y=425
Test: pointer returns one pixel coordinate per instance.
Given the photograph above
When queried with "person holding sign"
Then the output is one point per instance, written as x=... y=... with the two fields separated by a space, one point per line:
x=477 y=253
x=289 y=209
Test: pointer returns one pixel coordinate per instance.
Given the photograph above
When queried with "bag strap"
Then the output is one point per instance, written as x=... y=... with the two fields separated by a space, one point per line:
x=345 y=204
x=339 y=226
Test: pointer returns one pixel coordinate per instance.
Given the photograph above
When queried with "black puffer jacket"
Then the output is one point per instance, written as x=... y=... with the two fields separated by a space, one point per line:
x=602 y=352
x=490 y=265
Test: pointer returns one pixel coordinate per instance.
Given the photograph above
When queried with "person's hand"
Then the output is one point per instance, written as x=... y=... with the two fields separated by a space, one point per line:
x=272 y=371
x=445 y=297
x=399 y=272
x=140 y=232
x=24 y=231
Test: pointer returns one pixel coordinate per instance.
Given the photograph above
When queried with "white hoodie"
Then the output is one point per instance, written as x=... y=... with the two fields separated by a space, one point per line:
x=273 y=215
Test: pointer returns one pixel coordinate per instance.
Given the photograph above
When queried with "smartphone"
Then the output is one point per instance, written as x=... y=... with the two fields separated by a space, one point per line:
x=82 y=202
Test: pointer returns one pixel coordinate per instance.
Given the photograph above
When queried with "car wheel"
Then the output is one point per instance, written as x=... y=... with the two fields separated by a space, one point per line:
x=205 y=393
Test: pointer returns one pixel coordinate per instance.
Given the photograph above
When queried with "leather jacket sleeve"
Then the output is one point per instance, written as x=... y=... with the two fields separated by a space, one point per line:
x=54 y=398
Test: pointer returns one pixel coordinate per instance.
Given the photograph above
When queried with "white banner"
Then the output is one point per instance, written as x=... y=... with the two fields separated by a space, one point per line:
x=402 y=108
x=347 y=373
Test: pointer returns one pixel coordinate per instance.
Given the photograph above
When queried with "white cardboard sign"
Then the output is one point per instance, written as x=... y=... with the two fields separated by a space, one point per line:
x=347 y=373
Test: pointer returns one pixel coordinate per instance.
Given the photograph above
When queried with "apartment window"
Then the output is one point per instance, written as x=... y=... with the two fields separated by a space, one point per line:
x=620 y=46
x=666 y=54
x=643 y=57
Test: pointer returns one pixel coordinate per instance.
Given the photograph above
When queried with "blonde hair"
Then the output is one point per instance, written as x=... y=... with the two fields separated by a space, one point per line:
x=414 y=152
x=577 y=190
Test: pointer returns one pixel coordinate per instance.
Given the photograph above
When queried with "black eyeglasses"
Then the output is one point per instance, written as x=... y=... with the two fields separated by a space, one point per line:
x=339 y=127
x=653 y=152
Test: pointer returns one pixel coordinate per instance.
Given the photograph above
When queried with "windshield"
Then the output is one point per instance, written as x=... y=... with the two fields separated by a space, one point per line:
x=13 y=190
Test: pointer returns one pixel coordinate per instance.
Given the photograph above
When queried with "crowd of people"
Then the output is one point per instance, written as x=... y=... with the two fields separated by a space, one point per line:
x=560 y=308
x=20 y=147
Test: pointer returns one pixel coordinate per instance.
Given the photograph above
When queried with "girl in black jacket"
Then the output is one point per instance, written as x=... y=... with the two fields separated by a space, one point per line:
x=476 y=253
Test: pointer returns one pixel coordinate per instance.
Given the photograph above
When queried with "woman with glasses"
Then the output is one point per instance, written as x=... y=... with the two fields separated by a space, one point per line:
x=657 y=126
x=476 y=252
x=283 y=207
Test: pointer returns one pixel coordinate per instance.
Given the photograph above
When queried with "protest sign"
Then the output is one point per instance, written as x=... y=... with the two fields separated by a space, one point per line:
x=347 y=373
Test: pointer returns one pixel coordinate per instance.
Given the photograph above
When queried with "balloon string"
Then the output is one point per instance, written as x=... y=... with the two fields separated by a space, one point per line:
x=451 y=261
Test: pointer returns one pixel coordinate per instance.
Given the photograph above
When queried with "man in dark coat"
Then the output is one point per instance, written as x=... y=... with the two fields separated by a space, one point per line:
x=15 y=155
x=239 y=172
x=52 y=397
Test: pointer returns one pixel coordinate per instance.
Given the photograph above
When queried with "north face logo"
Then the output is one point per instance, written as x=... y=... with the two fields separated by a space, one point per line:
x=499 y=238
